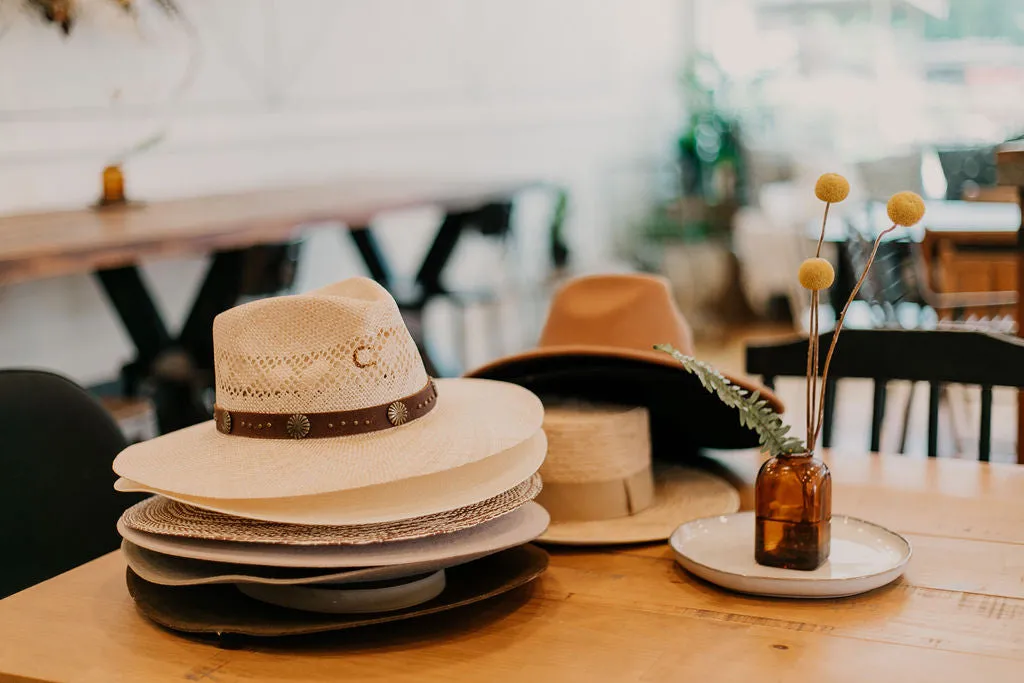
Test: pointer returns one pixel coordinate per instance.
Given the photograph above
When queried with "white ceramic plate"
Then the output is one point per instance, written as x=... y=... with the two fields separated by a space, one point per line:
x=720 y=549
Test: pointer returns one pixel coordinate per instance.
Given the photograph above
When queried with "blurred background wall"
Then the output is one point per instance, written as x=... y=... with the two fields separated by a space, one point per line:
x=250 y=93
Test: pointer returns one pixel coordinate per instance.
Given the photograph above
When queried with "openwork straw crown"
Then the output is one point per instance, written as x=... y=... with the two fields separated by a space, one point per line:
x=343 y=347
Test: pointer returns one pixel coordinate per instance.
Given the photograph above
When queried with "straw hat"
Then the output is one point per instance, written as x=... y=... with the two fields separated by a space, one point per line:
x=517 y=527
x=600 y=487
x=400 y=500
x=159 y=515
x=326 y=392
x=598 y=343
x=168 y=570
x=223 y=609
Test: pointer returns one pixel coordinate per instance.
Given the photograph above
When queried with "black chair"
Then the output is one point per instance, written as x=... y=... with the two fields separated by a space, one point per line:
x=933 y=356
x=57 y=500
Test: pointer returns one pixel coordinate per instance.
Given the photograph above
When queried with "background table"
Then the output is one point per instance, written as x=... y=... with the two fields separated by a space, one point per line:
x=627 y=614
x=111 y=241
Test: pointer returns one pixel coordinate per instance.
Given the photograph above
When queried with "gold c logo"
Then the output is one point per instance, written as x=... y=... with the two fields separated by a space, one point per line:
x=355 y=357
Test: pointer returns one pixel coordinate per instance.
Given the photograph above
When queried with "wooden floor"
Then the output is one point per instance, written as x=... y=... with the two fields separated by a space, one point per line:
x=959 y=416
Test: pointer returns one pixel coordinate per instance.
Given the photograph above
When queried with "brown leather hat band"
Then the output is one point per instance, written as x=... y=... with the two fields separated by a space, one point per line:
x=326 y=425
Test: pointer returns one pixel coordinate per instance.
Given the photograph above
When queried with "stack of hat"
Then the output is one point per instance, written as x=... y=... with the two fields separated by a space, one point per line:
x=337 y=484
x=624 y=422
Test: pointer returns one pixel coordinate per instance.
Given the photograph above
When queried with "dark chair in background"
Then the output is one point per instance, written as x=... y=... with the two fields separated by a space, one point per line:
x=57 y=500
x=967 y=169
x=933 y=356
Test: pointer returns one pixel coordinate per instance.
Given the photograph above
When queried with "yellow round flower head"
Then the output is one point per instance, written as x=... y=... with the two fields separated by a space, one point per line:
x=905 y=208
x=816 y=274
x=832 y=188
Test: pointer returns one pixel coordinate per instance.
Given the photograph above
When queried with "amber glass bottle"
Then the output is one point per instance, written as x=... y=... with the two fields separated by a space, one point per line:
x=113 y=185
x=793 y=504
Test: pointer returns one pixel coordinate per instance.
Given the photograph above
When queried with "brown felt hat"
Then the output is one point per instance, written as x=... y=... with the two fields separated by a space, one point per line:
x=598 y=344
x=220 y=609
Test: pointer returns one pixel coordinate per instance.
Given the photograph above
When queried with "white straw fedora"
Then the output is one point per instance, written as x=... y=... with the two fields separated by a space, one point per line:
x=405 y=499
x=600 y=487
x=325 y=392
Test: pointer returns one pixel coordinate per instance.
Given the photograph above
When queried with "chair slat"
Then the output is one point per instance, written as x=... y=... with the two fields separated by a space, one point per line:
x=985 y=439
x=934 y=396
x=831 y=390
x=877 y=414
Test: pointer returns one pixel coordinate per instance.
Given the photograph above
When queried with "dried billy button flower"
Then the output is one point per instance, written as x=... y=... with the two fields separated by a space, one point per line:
x=905 y=208
x=816 y=274
x=832 y=188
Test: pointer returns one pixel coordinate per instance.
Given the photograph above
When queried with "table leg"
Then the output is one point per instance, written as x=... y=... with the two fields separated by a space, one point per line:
x=172 y=364
x=492 y=218
x=220 y=291
x=372 y=254
x=131 y=300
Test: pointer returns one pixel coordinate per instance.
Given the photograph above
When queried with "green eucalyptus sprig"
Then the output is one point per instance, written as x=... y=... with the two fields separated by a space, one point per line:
x=754 y=411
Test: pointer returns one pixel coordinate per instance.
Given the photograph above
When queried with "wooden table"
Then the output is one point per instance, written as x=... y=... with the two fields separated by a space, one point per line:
x=625 y=614
x=110 y=242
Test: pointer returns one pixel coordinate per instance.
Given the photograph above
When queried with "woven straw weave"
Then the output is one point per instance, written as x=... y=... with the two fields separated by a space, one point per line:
x=159 y=515
x=592 y=442
x=342 y=347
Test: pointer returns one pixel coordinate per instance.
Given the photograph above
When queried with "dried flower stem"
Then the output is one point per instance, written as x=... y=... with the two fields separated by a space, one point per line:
x=839 y=328
x=809 y=426
x=812 y=346
x=821 y=237
x=815 y=332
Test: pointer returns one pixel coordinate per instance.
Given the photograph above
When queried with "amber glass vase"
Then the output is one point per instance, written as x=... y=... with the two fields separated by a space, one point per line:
x=793 y=504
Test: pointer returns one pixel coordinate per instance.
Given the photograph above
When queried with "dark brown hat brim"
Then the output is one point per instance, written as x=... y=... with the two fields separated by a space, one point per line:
x=220 y=609
x=684 y=415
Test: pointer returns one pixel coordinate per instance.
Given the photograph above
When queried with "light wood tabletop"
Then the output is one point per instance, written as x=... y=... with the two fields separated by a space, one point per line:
x=626 y=614
x=64 y=242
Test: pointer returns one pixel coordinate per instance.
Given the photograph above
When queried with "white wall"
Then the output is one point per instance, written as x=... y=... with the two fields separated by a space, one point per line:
x=252 y=93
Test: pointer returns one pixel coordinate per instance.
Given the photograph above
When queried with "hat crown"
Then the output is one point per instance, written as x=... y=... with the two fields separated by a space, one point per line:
x=623 y=311
x=590 y=442
x=342 y=347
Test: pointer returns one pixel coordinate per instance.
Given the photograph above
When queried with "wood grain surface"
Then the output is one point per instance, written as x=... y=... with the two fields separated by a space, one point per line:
x=56 y=243
x=620 y=614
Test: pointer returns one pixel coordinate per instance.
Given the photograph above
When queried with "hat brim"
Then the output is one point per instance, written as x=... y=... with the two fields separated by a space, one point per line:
x=168 y=570
x=473 y=420
x=684 y=415
x=680 y=494
x=162 y=516
x=405 y=499
x=517 y=527
x=223 y=609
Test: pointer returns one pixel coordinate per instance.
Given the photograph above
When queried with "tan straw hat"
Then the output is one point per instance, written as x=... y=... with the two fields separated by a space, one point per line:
x=598 y=344
x=159 y=515
x=325 y=392
x=517 y=527
x=600 y=487
x=400 y=500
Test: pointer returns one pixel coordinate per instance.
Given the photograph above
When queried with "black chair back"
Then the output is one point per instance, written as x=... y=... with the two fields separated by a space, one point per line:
x=57 y=501
x=933 y=356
